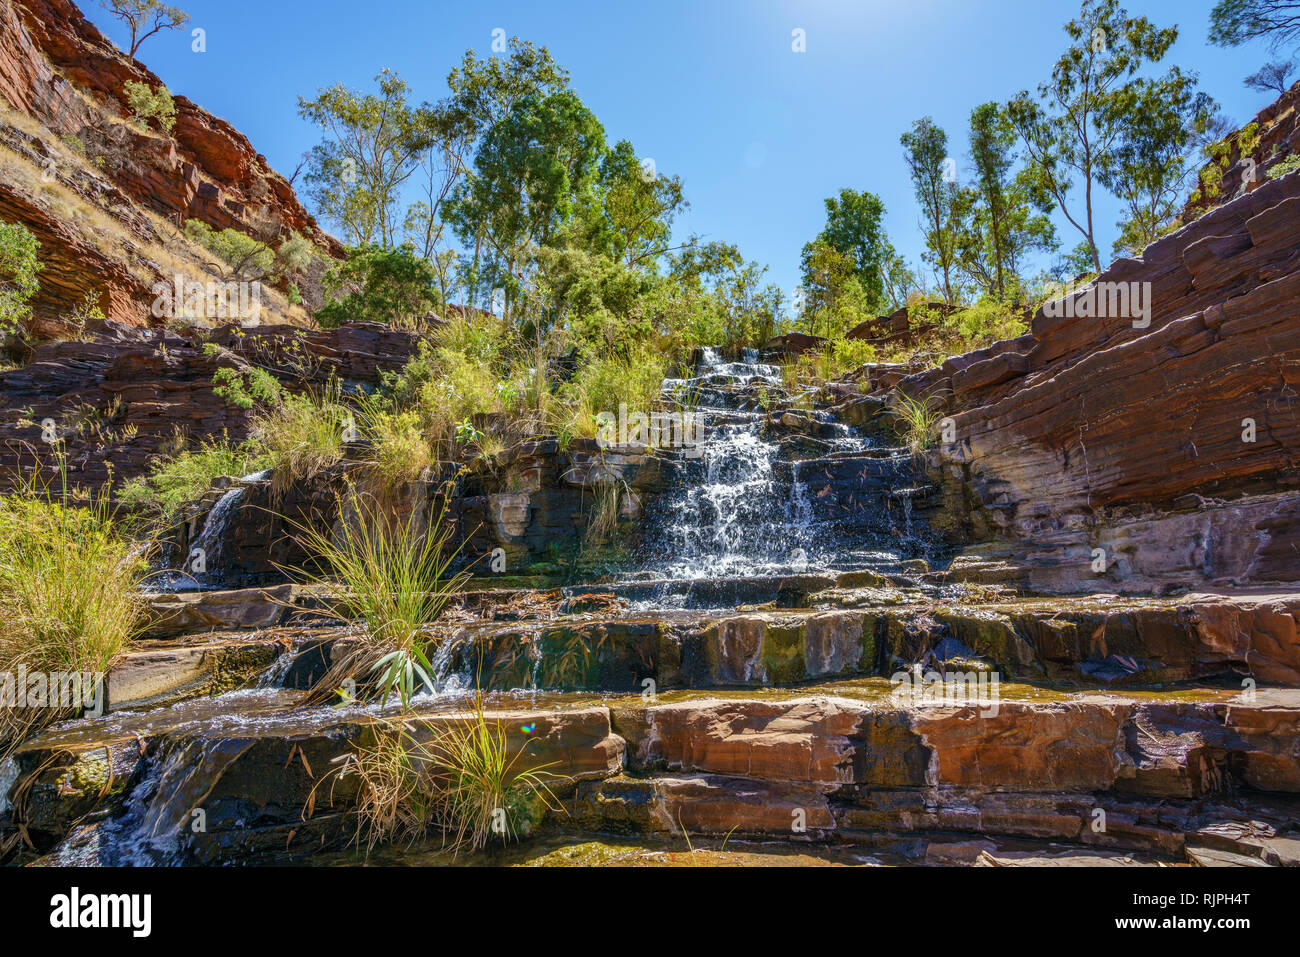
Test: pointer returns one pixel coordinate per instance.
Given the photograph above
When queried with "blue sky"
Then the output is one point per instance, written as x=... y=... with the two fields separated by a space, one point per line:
x=710 y=89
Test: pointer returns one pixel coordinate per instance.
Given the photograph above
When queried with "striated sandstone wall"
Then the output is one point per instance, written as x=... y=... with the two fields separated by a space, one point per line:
x=1103 y=432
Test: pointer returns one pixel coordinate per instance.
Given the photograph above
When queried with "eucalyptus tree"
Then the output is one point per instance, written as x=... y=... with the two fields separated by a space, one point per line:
x=534 y=173
x=372 y=145
x=1007 y=215
x=925 y=148
x=1155 y=155
x=1234 y=22
x=1080 y=116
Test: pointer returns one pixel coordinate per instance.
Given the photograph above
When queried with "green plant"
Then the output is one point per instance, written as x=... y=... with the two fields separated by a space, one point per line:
x=1288 y=165
x=18 y=269
x=146 y=104
x=301 y=435
x=459 y=774
x=183 y=478
x=395 y=578
x=145 y=18
x=374 y=284
x=914 y=421
x=246 y=389
x=399 y=452
x=849 y=355
x=986 y=322
x=483 y=791
x=69 y=595
x=244 y=257
x=83 y=315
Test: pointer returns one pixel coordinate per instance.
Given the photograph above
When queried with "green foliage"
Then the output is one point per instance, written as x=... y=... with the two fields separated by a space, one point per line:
x=299 y=436
x=534 y=175
x=1152 y=157
x=400 y=452
x=987 y=321
x=1288 y=165
x=851 y=354
x=925 y=148
x=146 y=104
x=372 y=145
x=458 y=775
x=632 y=219
x=914 y=421
x=1004 y=215
x=145 y=18
x=852 y=242
x=244 y=390
x=244 y=257
x=18 y=269
x=395 y=578
x=69 y=595
x=1078 y=122
x=393 y=286
x=180 y=480
x=1234 y=22
x=489 y=791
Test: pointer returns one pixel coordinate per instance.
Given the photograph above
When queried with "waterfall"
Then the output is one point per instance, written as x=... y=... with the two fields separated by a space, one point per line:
x=762 y=498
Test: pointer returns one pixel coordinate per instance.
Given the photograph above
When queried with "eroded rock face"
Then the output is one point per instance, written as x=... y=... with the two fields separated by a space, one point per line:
x=58 y=70
x=254 y=769
x=117 y=404
x=1166 y=438
x=1166 y=777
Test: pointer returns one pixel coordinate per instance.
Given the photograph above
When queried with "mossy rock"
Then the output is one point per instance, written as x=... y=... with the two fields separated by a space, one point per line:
x=783 y=656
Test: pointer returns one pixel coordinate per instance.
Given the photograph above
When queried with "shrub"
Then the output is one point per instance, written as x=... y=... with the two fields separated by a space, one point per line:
x=399 y=452
x=300 y=436
x=246 y=389
x=481 y=790
x=602 y=382
x=393 y=286
x=175 y=483
x=851 y=354
x=1288 y=165
x=18 y=269
x=245 y=258
x=146 y=104
x=986 y=322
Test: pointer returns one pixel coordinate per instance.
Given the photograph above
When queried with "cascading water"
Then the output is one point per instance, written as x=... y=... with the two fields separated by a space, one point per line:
x=752 y=499
x=201 y=565
x=734 y=514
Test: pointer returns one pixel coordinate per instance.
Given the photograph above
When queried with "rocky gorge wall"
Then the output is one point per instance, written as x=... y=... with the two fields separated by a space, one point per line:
x=98 y=190
x=1169 y=439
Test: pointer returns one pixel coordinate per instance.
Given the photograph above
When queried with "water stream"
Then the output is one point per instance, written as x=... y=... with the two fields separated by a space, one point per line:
x=754 y=500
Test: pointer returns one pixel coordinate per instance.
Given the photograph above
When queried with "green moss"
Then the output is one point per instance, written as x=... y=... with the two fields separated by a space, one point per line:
x=90 y=775
x=867 y=661
x=783 y=654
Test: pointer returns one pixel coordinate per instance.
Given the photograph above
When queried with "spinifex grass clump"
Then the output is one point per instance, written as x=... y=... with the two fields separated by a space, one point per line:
x=914 y=421
x=301 y=435
x=460 y=777
x=70 y=599
x=483 y=793
x=394 y=578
